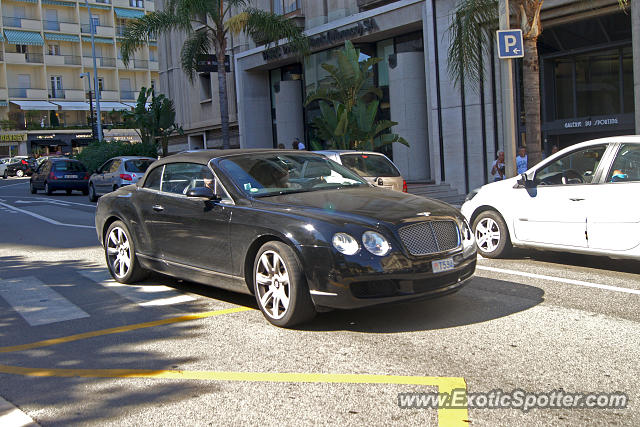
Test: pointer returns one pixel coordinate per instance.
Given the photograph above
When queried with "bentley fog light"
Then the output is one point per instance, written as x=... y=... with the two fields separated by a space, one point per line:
x=375 y=243
x=345 y=243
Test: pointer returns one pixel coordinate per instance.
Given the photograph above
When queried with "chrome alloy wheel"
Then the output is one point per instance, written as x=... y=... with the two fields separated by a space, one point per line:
x=274 y=286
x=487 y=234
x=119 y=252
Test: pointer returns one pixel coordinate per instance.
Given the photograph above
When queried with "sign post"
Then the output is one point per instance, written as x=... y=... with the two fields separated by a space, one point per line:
x=508 y=45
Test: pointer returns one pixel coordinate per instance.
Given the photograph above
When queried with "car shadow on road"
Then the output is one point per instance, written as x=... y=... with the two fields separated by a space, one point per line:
x=577 y=260
x=482 y=300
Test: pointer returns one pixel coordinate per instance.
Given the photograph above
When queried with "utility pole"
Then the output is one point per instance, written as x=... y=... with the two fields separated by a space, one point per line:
x=95 y=72
x=508 y=114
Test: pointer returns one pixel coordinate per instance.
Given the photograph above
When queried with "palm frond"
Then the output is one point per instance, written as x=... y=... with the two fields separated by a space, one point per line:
x=469 y=38
x=137 y=32
x=197 y=43
x=266 y=27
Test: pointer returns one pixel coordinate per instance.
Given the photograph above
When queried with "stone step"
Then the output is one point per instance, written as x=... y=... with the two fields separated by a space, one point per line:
x=442 y=192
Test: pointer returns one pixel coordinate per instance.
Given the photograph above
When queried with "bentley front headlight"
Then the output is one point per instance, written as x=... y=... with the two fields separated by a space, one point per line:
x=375 y=243
x=345 y=243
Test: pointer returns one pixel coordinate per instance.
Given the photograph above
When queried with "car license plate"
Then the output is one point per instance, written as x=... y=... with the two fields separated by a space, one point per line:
x=442 y=265
x=71 y=176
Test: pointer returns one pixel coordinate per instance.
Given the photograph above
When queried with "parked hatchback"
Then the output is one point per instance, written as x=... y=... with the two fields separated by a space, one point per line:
x=19 y=166
x=115 y=173
x=60 y=174
x=375 y=167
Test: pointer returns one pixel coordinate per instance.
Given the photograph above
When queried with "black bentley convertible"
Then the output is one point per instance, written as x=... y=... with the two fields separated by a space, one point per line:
x=300 y=232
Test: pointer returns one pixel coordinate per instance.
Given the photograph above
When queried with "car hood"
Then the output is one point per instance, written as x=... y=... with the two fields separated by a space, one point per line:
x=365 y=205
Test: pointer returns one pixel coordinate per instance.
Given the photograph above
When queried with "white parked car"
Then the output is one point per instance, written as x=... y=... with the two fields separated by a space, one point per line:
x=582 y=199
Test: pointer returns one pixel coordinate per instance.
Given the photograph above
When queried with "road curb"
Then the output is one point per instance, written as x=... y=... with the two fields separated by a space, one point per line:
x=11 y=416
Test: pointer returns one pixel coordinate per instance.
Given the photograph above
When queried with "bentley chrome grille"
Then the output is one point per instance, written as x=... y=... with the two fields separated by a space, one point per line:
x=430 y=237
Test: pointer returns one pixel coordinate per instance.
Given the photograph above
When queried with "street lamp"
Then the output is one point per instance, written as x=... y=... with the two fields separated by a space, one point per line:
x=95 y=71
x=93 y=129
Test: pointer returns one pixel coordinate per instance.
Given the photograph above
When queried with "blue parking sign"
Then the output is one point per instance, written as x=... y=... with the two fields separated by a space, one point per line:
x=510 y=44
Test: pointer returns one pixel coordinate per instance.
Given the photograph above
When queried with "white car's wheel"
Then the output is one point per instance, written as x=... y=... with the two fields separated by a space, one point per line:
x=280 y=286
x=492 y=235
x=19 y=173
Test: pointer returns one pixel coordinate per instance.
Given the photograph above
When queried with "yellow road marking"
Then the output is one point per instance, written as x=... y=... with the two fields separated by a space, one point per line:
x=120 y=329
x=446 y=416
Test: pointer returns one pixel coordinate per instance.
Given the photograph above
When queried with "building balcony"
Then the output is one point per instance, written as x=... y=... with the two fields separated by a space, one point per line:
x=27 y=92
x=34 y=58
x=100 y=30
x=62 y=26
x=108 y=95
x=68 y=94
x=103 y=1
x=4 y=93
x=140 y=63
x=101 y=61
x=128 y=3
x=128 y=95
x=153 y=65
x=52 y=60
x=24 y=23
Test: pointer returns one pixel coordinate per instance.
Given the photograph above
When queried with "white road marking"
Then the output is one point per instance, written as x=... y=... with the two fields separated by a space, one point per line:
x=47 y=200
x=44 y=218
x=11 y=185
x=560 y=280
x=38 y=303
x=10 y=416
x=144 y=295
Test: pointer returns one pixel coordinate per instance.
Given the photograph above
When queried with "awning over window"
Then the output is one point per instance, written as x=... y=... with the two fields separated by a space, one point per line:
x=112 y=106
x=28 y=1
x=96 y=6
x=62 y=37
x=133 y=104
x=59 y=3
x=35 y=105
x=103 y=40
x=129 y=13
x=24 y=37
x=73 y=105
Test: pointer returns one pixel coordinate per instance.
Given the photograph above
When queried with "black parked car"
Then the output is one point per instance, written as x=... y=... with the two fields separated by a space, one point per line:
x=60 y=173
x=20 y=167
x=299 y=231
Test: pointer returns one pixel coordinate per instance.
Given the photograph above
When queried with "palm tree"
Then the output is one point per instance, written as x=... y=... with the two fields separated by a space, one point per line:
x=474 y=20
x=207 y=24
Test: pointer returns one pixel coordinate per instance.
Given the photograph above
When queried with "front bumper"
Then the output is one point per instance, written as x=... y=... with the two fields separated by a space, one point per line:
x=336 y=281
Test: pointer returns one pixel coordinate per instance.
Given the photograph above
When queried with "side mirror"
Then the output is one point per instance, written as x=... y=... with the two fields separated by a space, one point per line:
x=525 y=182
x=202 y=192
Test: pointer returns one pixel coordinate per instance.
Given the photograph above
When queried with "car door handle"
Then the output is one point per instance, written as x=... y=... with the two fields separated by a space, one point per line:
x=576 y=199
x=158 y=208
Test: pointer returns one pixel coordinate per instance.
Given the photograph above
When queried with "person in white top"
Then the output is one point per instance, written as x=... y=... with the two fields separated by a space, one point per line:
x=497 y=169
x=298 y=145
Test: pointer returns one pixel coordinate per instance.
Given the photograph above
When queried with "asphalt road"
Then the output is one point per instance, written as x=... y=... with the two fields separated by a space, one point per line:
x=75 y=348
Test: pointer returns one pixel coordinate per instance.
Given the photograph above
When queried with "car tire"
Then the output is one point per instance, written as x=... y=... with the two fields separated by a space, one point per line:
x=85 y=192
x=492 y=235
x=19 y=173
x=277 y=270
x=68 y=192
x=33 y=189
x=4 y=175
x=92 y=193
x=47 y=189
x=120 y=254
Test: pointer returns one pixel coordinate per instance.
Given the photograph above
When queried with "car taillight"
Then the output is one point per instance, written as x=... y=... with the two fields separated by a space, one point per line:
x=86 y=177
x=126 y=177
x=24 y=162
x=404 y=186
x=52 y=175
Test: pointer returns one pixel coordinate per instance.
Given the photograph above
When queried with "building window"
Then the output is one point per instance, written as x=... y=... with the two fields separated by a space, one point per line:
x=21 y=48
x=56 y=90
x=136 y=3
x=205 y=86
x=53 y=49
x=100 y=84
x=282 y=7
x=153 y=84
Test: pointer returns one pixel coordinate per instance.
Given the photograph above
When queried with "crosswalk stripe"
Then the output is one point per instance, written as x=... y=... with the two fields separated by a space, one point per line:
x=144 y=295
x=38 y=303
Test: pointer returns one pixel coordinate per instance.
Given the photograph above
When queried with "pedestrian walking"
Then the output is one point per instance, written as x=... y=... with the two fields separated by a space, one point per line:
x=298 y=145
x=522 y=160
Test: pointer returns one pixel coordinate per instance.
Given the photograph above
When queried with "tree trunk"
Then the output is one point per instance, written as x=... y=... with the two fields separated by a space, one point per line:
x=222 y=92
x=531 y=93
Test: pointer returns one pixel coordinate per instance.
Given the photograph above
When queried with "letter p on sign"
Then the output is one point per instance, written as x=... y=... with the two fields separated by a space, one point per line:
x=510 y=44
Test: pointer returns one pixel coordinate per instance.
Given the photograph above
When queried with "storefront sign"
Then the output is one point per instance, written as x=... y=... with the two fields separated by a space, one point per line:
x=13 y=137
x=84 y=135
x=45 y=136
x=209 y=64
x=591 y=123
x=325 y=39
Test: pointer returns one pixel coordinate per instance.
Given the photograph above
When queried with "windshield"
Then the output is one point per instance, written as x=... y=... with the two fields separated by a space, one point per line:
x=137 y=165
x=369 y=164
x=269 y=174
x=69 y=167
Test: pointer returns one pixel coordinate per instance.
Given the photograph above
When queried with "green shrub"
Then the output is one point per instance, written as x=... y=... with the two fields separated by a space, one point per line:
x=96 y=153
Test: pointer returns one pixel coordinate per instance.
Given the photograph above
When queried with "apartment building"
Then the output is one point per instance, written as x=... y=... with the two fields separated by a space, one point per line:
x=46 y=46
x=588 y=52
